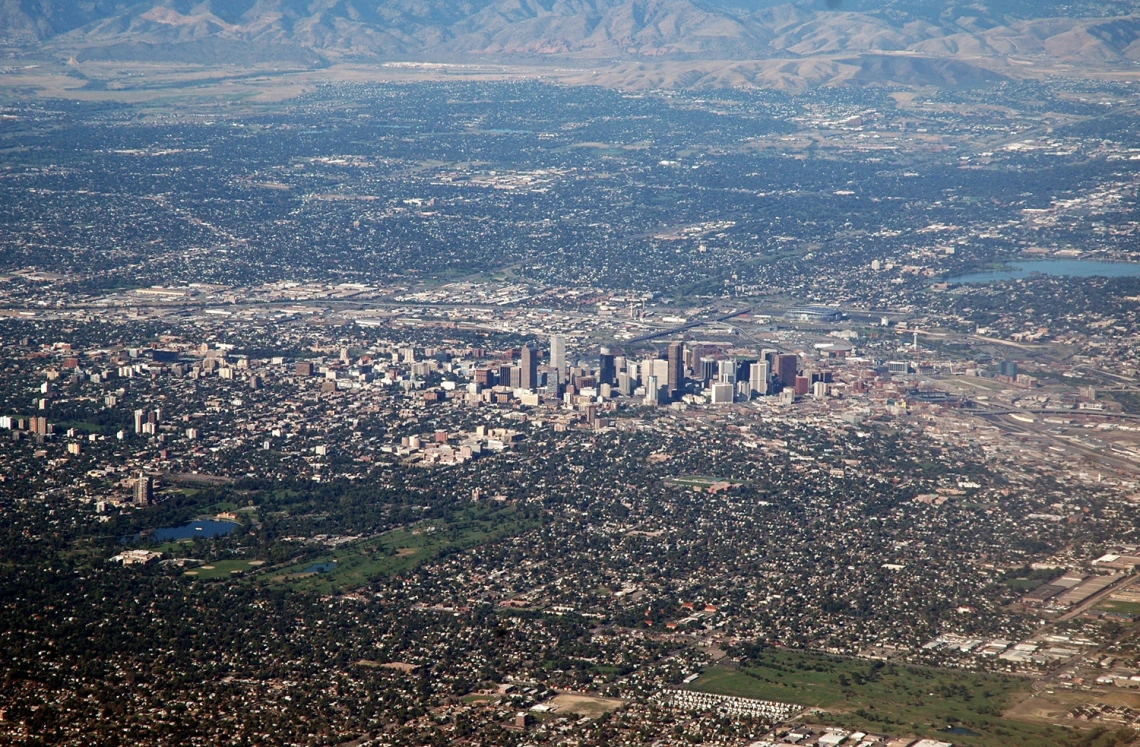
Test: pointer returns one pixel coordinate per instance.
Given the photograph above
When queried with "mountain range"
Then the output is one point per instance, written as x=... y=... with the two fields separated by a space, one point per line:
x=962 y=33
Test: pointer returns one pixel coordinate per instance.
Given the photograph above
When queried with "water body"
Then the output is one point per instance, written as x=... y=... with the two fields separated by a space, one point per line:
x=1073 y=268
x=320 y=567
x=961 y=731
x=204 y=528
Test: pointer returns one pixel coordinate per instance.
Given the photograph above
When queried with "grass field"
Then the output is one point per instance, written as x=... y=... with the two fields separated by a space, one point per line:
x=1128 y=608
x=890 y=699
x=222 y=569
x=360 y=562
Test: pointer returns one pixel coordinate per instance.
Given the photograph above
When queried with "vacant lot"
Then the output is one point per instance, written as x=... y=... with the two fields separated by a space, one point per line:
x=1051 y=705
x=701 y=481
x=582 y=705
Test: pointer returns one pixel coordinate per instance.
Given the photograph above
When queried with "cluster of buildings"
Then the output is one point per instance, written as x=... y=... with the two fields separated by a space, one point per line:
x=694 y=700
x=811 y=735
x=862 y=493
x=438 y=449
x=691 y=373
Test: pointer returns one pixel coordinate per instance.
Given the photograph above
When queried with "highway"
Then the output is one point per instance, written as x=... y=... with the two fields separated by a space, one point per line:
x=690 y=325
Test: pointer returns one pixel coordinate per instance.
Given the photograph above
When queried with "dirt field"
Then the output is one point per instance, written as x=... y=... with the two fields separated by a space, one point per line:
x=1051 y=706
x=582 y=705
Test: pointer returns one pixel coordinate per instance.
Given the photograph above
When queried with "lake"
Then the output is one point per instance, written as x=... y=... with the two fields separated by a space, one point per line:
x=320 y=567
x=1073 y=268
x=204 y=528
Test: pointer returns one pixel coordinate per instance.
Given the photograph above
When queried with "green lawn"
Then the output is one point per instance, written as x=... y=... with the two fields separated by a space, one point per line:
x=889 y=699
x=78 y=425
x=1129 y=608
x=220 y=569
x=360 y=562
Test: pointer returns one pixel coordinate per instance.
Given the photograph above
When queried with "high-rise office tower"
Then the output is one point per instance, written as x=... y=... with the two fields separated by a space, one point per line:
x=676 y=361
x=707 y=371
x=652 y=390
x=558 y=355
x=529 y=368
x=625 y=384
x=722 y=394
x=786 y=367
x=744 y=368
x=607 y=370
x=696 y=352
x=758 y=376
x=727 y=373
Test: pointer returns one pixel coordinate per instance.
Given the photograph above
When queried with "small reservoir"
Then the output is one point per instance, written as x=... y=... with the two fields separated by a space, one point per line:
x=1073 y=268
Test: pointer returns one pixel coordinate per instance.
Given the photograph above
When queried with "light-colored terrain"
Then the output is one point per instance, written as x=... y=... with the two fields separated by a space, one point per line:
x=233 y=48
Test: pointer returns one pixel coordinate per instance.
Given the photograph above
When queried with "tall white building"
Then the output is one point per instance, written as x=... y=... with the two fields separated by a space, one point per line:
x=758 y=376
x=652 y=390
x=625 y=383
x=727 y=373
x=558 y=355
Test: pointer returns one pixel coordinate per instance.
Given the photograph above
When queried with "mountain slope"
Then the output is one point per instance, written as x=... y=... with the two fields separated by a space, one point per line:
x=311 y=31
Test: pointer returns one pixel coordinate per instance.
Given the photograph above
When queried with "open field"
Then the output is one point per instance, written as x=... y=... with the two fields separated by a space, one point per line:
x=222 y=569
x=582 y=705
x=392 y=552
x=701 y=481
x=892 y=699
x=1113 y=605
x=1052 y=705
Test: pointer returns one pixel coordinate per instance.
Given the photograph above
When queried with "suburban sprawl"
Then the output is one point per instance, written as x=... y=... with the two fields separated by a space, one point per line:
x=508 y=413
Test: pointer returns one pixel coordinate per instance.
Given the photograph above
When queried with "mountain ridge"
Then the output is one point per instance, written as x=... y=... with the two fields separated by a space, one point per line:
x=315 y=32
